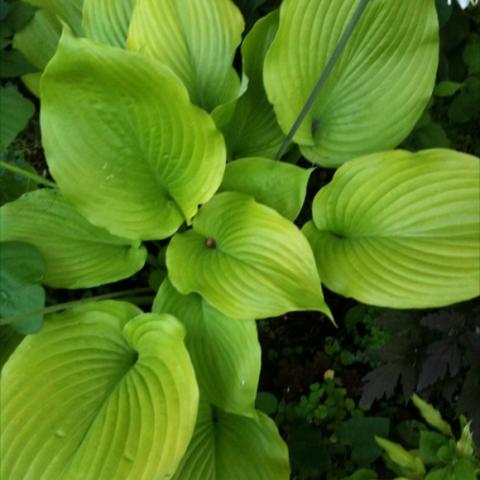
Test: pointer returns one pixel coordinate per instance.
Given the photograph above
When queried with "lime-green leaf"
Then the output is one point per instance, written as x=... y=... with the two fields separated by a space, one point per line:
x=76 y=253
x=196 y=40
x=107 y=21
x=400 y=230
x=233 y=447
x=102 y=392
x=123 y=141
x=379 y=86
x=21 y=270
x=246 y=260
x=409 y=462
x=249 y=123
x=225 y=352
x=15 y=112
x=432 y=416
x=279 y=185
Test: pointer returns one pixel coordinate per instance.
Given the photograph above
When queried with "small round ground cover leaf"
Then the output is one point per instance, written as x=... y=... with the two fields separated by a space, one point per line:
x=400 y=229
x=76 y=253
x=102 y=392
x=246 y=260
x=196 y=40
x=279 y=185
x=123 y=141
x=21 y=270
x=225 y=352
x=249 y=123
x=107 y=21
x=379 y=86
x=234 y=447
x=15 y=112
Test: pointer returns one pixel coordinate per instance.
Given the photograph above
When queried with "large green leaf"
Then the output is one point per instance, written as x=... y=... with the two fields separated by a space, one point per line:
x=76 y=253
x=21 y=270
x=234 y=447
x=401 y=230
x=225 y=352
x=279 y=185
x=249 y=123
x=197 y=40
x=246 y=260
x=123 y=141
x=15 y=112
x=102 y=392
x=107 y=21
x=379 y=87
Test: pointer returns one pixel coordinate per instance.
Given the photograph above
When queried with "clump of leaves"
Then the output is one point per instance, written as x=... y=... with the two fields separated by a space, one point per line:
x=439 y=454
x=436 y=353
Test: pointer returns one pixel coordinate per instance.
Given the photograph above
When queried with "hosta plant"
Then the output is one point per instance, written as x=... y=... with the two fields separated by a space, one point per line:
x=153 y=139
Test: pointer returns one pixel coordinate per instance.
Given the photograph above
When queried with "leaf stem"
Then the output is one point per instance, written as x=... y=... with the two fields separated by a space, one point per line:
x=25 y=173
x=323 y=77
x=73 y=303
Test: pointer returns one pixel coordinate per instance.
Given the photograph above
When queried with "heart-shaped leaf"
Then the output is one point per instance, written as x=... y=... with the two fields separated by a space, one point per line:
x=225 y=352
x=123 y=141
x=279 y=185
x=249 y=123
x=246 y=260
x=103 y=391
x=379 y=86
x=400 y=230
x=107 y=21
x=234 y=447
x=76 y=253
x=196 y=40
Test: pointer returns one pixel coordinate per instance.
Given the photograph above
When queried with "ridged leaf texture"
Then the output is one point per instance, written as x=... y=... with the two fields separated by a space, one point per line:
x=102 y=392
x=196 y=40
x=123 y=141
x=279 y=185
x=225 y=352
x=77 y=254
x=400 y=229
x=107 y=21
x=246 y=260
x=234 y=447
x=249 y=123
x=380 y=84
